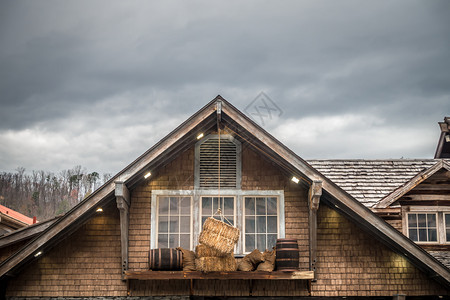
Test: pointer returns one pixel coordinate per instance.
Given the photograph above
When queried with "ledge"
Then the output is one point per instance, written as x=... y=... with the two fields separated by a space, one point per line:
x=161 y=275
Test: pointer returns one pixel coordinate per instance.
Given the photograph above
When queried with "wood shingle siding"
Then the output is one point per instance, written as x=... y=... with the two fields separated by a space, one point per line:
x=351 y=263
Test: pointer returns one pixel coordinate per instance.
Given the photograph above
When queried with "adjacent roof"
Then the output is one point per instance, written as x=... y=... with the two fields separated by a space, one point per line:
x=15 y=215
x=443 y=147
x=216 y=112
x=369 y=181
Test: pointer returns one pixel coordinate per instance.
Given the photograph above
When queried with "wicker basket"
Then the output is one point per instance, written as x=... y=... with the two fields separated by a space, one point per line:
x=219 y=235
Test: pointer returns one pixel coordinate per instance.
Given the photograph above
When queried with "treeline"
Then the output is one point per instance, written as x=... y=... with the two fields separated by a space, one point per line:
x=45 y=194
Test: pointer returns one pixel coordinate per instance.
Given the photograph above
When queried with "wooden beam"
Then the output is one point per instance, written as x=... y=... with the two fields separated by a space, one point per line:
x=315 y=191
x=123 y=204
x=164 y=275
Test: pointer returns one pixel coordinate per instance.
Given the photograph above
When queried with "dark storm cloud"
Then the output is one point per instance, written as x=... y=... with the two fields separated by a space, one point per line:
x=76 y=74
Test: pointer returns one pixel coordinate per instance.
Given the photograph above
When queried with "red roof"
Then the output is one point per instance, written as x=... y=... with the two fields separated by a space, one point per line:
x=16 y=215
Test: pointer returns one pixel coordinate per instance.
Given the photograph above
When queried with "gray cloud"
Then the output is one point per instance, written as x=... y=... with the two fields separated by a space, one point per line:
x=82 y=78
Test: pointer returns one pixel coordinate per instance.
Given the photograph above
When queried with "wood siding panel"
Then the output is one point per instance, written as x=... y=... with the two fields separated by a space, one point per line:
x=351 y=263
x=88 y=263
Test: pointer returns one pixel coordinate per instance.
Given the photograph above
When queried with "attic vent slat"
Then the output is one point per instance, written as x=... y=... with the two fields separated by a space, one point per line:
x=208 y=163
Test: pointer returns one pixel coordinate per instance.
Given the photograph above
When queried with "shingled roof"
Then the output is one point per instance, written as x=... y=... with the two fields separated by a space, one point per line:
x=369 y=181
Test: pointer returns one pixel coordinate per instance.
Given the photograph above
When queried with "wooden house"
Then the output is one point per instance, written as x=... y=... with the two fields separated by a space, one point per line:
x=11 y=220
x=100 y=247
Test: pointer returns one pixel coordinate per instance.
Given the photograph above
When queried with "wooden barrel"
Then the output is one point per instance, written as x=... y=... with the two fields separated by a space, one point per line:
x=165 y=259
x=287 y=255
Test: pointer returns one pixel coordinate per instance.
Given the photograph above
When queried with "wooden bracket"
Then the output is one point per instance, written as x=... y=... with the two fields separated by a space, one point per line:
x=315 y=191
x=123 y=204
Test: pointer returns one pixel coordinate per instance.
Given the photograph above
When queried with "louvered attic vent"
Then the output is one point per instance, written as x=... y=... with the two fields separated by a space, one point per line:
x=207 y=164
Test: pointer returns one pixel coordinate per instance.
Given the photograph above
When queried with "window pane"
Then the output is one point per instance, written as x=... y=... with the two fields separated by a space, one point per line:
x=174 y=226
x=185 y=224
x=272 y=226
x=249 y=224
x=413 y=234
x=447 y=220
x=271 y=241
x=249 y=206
x=412 y=220
x=260 y=206
x=261 y=242
x=173 y=240
x=163 y=205
x=448 y=235
x=228 y=206
x=272 y=206
x=203 y=220
x=162 y=241
x=261 y=224
x=163 y=225
x=185 y=241
x=185 y=206
x=249 y=242
x=215 y=205
x=229 y=220
x=174 y=206
x=207 y=206
x=421 y=218
x=422 y=235
x=431 y=220
x=432 y=235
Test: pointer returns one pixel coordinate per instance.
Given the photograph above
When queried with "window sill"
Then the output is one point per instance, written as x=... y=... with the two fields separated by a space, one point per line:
x=163 y=275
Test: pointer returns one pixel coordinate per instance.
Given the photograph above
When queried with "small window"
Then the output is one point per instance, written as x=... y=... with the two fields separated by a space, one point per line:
x=174 y=222
x=261 y=223
x=447 y=227
x=422 y=227
x=210 y=205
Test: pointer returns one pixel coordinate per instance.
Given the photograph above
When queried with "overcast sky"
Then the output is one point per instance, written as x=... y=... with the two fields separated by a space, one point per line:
x=97 y=83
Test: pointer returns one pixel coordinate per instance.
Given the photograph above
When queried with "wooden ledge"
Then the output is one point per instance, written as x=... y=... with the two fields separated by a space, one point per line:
x=161 y=275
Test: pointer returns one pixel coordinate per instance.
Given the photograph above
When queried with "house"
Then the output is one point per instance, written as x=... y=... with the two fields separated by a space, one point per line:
x=100 y=247
x=11 y=220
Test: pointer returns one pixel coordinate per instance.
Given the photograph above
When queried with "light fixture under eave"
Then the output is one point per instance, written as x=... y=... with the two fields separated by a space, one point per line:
x=38 y=254
x=447 y=138
x=99 y=209
x=295 y=179
x=200 y=136
x=147 y=175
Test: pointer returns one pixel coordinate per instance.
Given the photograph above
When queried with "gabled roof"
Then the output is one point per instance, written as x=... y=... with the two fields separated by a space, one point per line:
x=416 y=180
x=184 y=136
x=369 y=181
x=17 y=216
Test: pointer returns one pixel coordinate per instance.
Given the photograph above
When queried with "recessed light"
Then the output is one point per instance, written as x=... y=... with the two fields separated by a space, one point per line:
x=147 y=175
x=295 y=179
x=38 y=254
x=99 y=209
x=200 y=136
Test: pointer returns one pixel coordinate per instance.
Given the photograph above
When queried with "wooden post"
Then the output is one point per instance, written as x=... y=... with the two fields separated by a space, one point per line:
x=315 y=191
x=123 y=204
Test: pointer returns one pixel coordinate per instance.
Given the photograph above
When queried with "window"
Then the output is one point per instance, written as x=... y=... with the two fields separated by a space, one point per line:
x=261 y=223
x=447 y=227
x=210 y=205
x=174 y=222
x=422 y=227
x=177 y=216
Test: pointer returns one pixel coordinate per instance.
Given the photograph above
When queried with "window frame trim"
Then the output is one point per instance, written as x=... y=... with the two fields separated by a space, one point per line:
x=437 y=227
x=196 y=213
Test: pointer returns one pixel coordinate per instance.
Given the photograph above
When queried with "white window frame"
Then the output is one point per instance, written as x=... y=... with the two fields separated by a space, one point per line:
x=157 y=215
x=440 y=222
x=216 y=196
x=196 y=210
x=243 y=216
x=426 y=228
x=445 y=228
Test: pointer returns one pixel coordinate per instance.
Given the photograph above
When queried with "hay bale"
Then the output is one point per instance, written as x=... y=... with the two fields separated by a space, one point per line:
x=188 y=259
x=219 y=235
x=251 y=261
x=206 y=251
x=215 y=264
x=269 y=261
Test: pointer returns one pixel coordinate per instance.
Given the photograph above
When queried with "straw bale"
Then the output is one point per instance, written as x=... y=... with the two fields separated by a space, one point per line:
x=211 y=264
x=219 y=235
x=188 y=259
x=269 y=261
x=206 y=251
